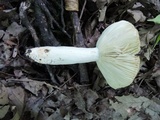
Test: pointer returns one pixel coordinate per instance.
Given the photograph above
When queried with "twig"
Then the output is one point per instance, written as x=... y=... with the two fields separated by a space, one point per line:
x=80 y=17
x=42 y=24
x=23 y=16
x=80 y=43
x=62 y=12
x=77 y=30
x=68 y=80
x=24 y=19
x=159 y=52
x=51 y=20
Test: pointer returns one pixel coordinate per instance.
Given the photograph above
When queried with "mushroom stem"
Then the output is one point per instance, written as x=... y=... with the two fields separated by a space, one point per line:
x=63 y=55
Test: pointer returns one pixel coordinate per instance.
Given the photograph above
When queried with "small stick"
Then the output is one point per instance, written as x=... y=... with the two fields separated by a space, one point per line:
x=82 y=9
x=23 y=16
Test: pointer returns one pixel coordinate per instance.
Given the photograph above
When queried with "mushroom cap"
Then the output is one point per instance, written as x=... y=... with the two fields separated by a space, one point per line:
x=118 y=46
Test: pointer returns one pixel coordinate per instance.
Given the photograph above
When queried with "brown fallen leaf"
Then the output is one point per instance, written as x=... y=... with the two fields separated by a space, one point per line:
x=17 y=96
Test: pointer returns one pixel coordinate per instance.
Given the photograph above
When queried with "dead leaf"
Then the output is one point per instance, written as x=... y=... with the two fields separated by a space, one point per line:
x=128 y=106
x=80 y=102
x=55 y=116
x=16 y=116
x=10 y=42
x=17 y=62
x=3 y=110
x=14 y=30
x=35 y=86
x=137 y=15
x=102 y=14
x=4 y=101
x=156 y=3
x=1 y=33
x=100 y=3
x=3 y=95
x=33 y=105
x=16 y=96
x=103 y=110
x=71 y=5
x=15 y=52
x=90 y=97
x=148 y=38
x=156 y=73
x=18 y=73
x=5 y=54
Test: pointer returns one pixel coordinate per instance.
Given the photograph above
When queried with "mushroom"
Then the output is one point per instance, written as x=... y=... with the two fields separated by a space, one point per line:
x=115 y=54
